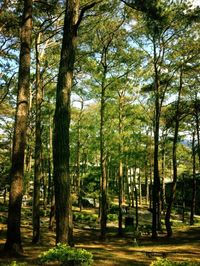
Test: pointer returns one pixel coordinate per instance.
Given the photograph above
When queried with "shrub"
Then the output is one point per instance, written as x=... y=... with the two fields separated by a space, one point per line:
x=112 y=217
x=81 y=217
x=66 y=254
x=166 y=262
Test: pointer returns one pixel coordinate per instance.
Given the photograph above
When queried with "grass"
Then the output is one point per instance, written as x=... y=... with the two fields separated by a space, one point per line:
x=115 y=250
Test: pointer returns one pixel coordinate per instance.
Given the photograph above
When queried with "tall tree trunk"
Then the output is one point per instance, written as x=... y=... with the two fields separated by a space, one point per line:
x=50 y=185
x=174 y=160
x=194 y=182
x=163 y=199
x=103 y=205
x=13 y=242
x=120 y=196
x=78 y=177
x=38 y=150
x=61 y=148
x=146 y=183
x=156 y=179
x=151 y=178
x=136 y=208
x=140 y=188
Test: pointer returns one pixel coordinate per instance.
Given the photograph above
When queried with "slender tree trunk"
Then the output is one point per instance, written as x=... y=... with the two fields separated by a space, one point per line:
x=13 y=242
x=4 y=195
x=103 y=205
x=163 y=200
x=140 y=188
x=151 y=182
x=78 y=177
x=61 y=148
x=174 y=160
x=194 y=182
x=136 y=208
x=146 y=184
x=38 y=150
x=50 y=185
x=45 y=188
x=120 y=198
x=156 y=180
x=146 y=174
x=120 y=181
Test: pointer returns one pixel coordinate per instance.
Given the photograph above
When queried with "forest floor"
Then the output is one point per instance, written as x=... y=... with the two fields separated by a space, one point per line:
x=115 y=250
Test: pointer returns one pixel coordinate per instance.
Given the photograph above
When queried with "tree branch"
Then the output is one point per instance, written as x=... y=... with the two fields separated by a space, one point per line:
x=83 y=10
x=128 y=4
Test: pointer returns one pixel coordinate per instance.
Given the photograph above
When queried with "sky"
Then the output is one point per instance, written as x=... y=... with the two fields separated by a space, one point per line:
x=196 y=2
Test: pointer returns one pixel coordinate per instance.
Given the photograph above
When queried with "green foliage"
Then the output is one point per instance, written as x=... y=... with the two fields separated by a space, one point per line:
x=112 y=217
x=78 y=216
x=166 y=262
x=64 y=254
x=3 y=220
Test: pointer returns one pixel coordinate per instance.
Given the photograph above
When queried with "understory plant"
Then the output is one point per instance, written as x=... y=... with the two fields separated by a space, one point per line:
x=167 y=262
x=65 y=254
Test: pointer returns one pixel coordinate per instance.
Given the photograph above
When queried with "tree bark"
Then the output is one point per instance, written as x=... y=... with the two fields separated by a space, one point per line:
x=174 y=160
x=61 y=148
x=163 y=199
x=38 y=150
x=120 y=195
x=103 y=205
x=78 y=145
x=156 y=179
x=194 y=182
x=13 y=243
x=50 y=185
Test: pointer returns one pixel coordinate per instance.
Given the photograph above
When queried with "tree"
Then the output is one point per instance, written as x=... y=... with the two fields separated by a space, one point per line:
x=174 y=156
x=13 y=241
x=61 y=149
x=163 y=24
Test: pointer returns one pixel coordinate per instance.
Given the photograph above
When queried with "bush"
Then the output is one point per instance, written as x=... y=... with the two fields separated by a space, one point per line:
x=66 y=254
x=81 y=217
x=166 y=262
x=112 y=217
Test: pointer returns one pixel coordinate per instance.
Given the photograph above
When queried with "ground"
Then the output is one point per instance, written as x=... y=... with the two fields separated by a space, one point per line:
x=115 y=250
